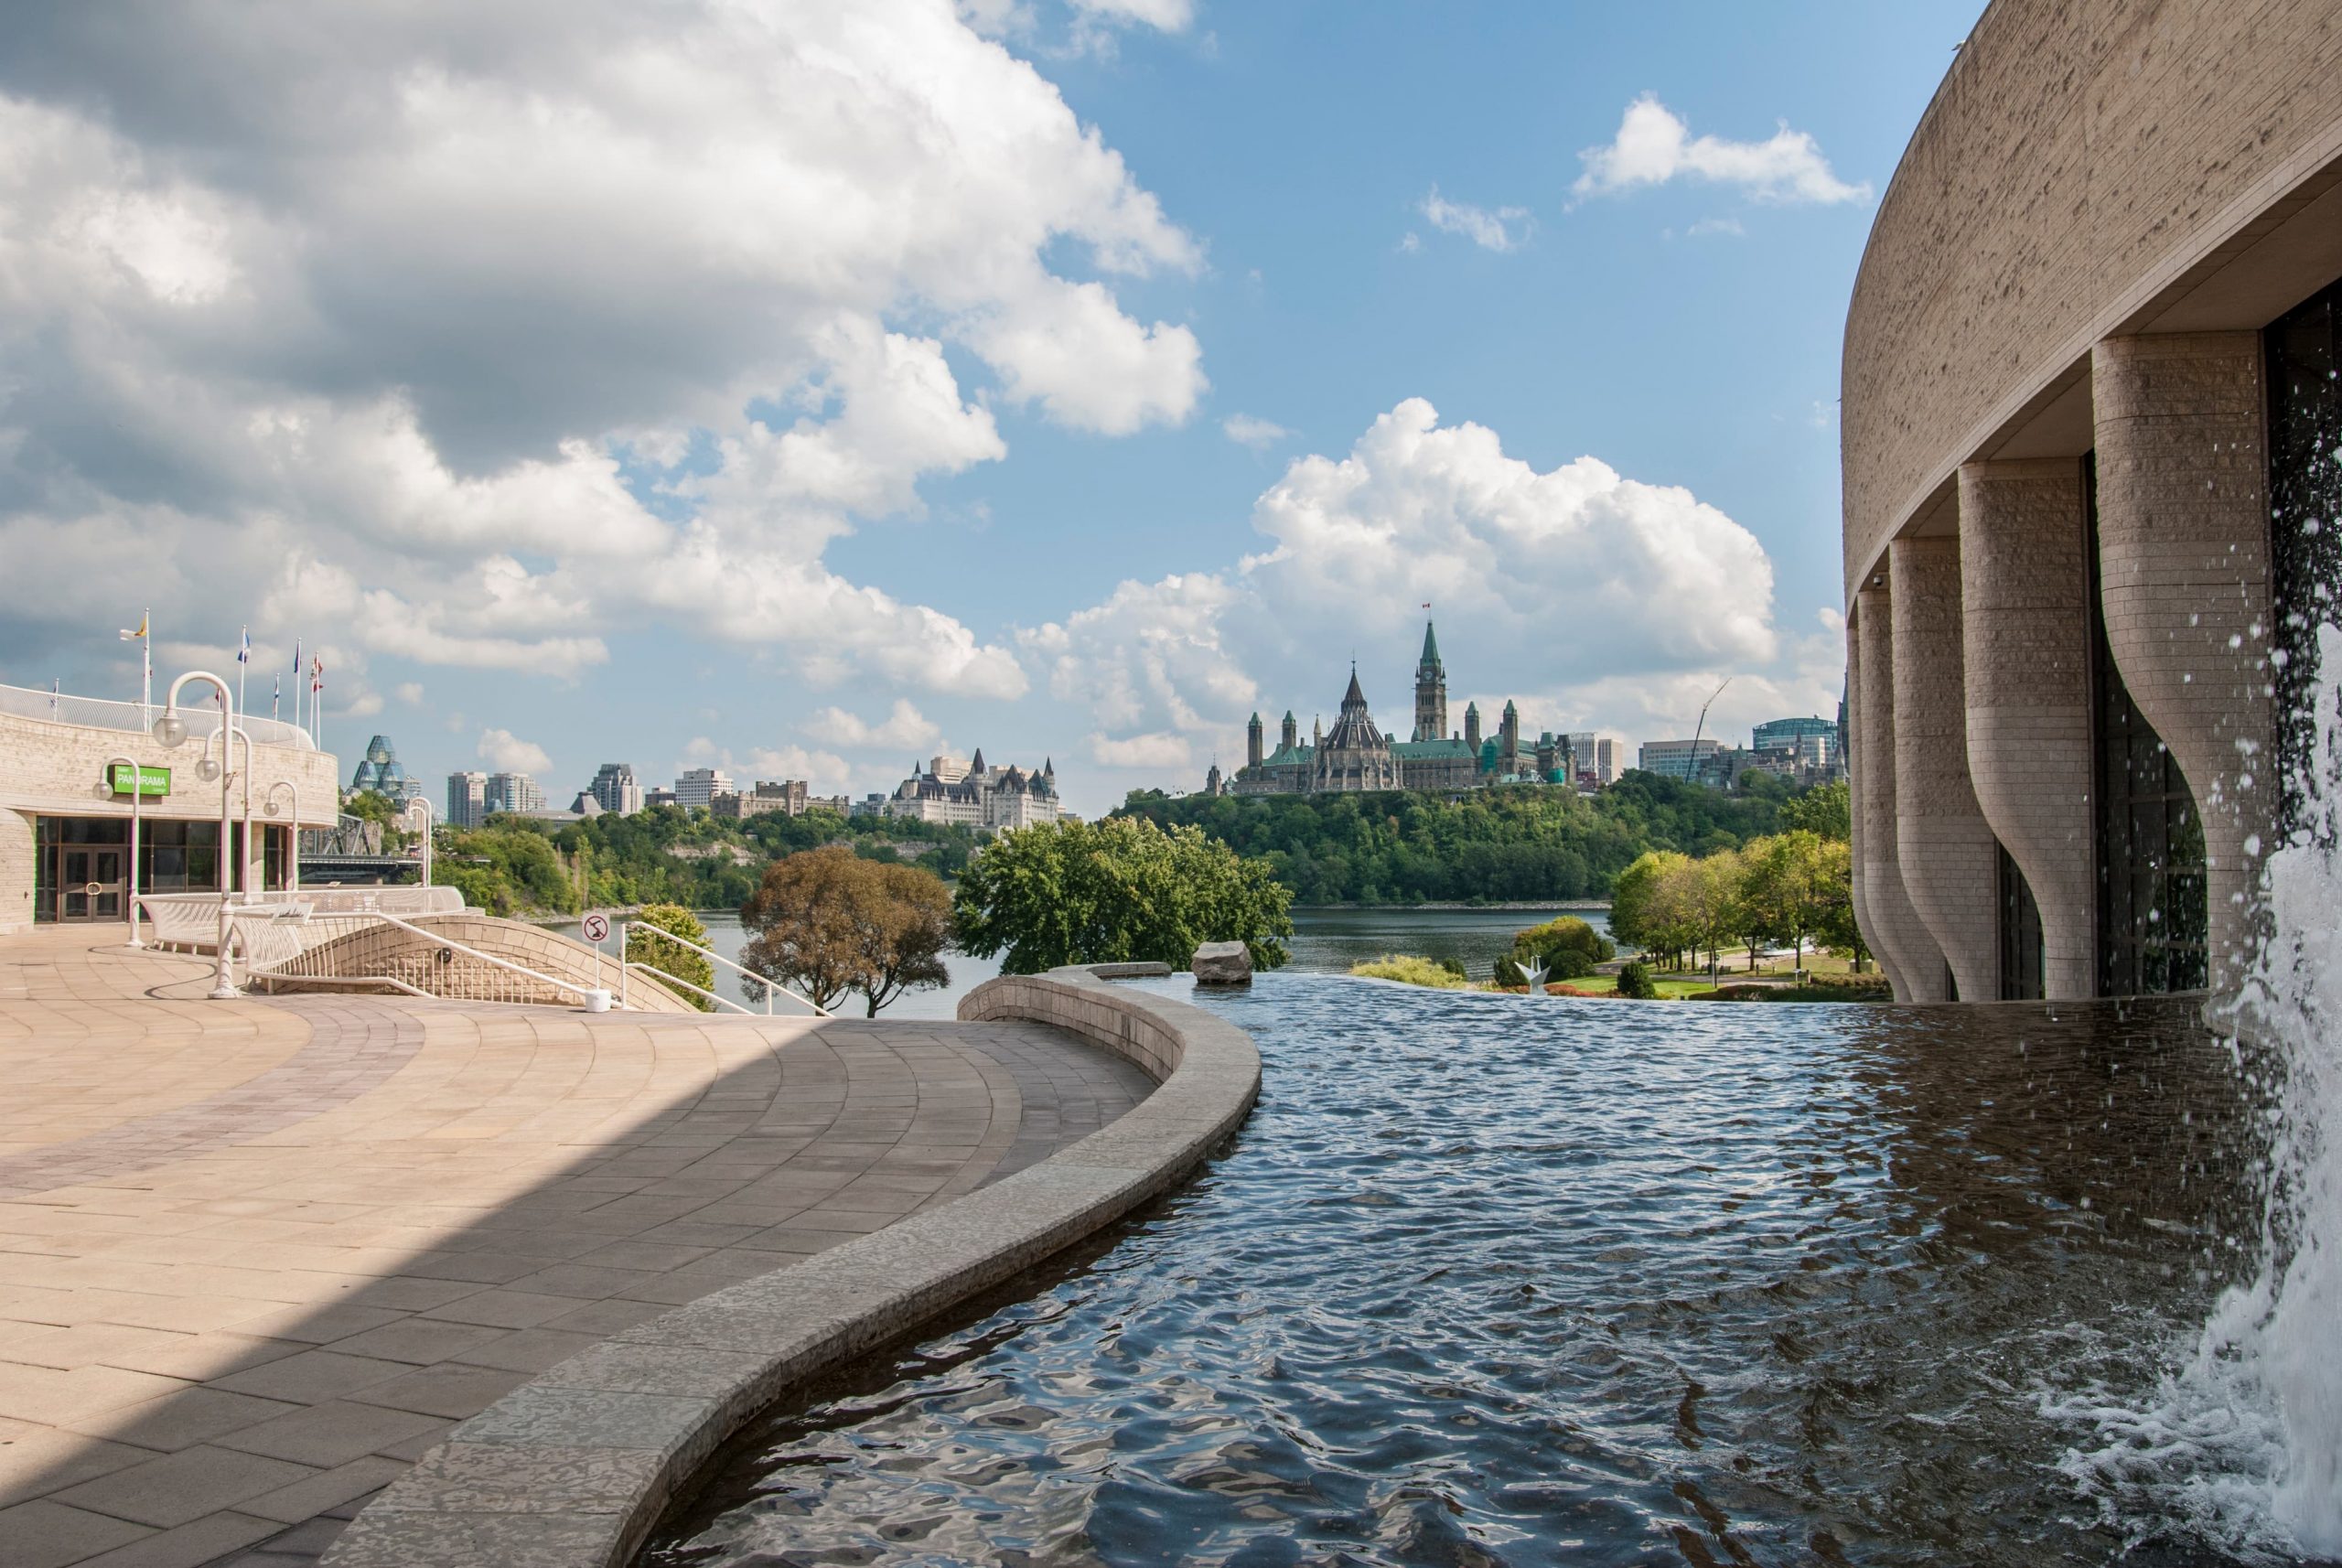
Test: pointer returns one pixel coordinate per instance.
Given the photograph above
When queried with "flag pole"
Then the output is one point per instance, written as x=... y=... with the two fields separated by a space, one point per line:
x=244 y=658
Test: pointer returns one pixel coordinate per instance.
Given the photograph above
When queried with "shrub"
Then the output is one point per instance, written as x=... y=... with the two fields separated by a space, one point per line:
x=1634 y=979
x=645 y=946
x=1410 y=971
x=1455 y=966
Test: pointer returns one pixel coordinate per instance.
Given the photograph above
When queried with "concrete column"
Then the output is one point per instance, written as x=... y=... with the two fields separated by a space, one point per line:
x=1855 y=794
x=1906 y=949
x=2183 y=539
x=2025 y=603
x=1949 y=867
x=16 y=878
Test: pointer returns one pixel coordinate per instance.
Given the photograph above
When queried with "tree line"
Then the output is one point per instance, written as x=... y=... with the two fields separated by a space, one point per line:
x=1793 y=889
x=662 y=854
x=1493 y=845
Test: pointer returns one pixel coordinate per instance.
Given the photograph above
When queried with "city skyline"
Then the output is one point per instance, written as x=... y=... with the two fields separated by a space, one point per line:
x=1097 y=497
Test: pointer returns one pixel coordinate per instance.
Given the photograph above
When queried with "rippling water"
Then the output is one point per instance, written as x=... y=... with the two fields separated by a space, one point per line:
x=1493 y=1281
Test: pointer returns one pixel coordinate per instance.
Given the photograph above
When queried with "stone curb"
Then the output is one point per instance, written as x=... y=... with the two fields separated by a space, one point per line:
x=571 y=1470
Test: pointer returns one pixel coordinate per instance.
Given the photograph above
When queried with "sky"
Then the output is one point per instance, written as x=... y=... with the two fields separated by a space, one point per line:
x=804 y=389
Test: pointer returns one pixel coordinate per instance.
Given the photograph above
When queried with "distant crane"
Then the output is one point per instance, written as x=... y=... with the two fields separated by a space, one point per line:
x=1703 y=724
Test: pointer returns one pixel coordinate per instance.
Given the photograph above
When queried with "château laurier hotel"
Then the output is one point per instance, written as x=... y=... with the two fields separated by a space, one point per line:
x=2090 y=426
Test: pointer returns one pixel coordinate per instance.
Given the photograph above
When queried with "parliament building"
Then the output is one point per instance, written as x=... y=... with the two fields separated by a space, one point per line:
x=1355 y=756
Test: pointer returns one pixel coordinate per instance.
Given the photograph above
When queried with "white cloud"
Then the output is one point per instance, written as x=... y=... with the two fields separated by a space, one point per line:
x=410 y=692
x=824 y=772
x=1491 y=229
x=1258 y=434
x=1159 y=752
x=1653 y=146
x=1707 y=226
x=411 y=306
x=1170 y=16
x=507 y=753
x=1554 y=581
x=904 y=729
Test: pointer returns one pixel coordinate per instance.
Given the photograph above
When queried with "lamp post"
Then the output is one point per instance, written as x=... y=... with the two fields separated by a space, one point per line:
x=420 y=809
x=227 y=757
x=106 y=793
x=293 y=865
x=170 y=731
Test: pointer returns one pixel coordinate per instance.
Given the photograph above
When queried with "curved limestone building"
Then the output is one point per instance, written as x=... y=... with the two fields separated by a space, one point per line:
x=2089 y=400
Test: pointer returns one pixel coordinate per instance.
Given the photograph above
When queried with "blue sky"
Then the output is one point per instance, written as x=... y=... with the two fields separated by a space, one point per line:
x=819 y=394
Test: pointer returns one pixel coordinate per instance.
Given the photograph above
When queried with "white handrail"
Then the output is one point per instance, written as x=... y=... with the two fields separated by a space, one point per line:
x=626 y=928
x=270 y=965
x=665 y=981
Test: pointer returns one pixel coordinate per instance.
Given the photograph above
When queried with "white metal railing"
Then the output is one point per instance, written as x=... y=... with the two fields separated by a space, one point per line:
x=99 y=713
x=756 y=986
x=288 y=943
x=191 y=921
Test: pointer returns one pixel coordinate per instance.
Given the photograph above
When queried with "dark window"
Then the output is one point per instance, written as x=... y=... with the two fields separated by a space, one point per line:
x=2152 y=893
x=2021 y=972
x=2305 y=513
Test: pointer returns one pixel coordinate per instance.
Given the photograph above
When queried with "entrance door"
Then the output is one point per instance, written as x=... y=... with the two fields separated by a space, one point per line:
x=90 y=883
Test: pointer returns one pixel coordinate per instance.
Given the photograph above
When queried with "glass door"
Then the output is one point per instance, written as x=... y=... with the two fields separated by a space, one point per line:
x=90 y=883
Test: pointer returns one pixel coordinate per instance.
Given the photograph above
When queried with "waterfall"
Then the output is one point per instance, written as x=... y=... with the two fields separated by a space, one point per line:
x=2241 y=1441
x=2285 y=1330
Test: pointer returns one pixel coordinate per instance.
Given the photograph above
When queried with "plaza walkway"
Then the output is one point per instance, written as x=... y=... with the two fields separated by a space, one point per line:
x=256 y=1256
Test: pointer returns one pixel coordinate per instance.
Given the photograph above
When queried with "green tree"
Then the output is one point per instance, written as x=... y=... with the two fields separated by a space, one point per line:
x=1638 y=916
x=1121 y=890
x=1790 y=884
x=1701 y=899
x=1835 y=925
x=649 y=948
x=508 y=868
x=1824 y=810
x=1633 y=980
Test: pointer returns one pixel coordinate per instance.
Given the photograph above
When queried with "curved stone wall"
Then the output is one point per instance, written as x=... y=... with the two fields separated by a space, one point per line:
x=2087 y=169
x=573 y=1468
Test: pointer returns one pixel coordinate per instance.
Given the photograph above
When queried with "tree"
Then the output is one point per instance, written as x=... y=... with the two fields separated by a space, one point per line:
x=648 y=948
x=1702 y=899
x=1834 y=923
x=1790 y=884
x=829 y=922
x=1639 y=917
x=1121 y=890
x=907 y=924
x=1825 y=812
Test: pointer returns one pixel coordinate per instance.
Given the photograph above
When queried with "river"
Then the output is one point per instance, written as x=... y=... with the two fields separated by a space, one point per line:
x=1490 y=1280
x=1325 y=941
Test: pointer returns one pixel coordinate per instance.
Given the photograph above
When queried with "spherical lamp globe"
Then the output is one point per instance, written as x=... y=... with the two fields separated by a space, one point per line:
x=171 y=730
x=208 y=769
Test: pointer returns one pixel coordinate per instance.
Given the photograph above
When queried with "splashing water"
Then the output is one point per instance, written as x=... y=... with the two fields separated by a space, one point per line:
x=2245 y=1436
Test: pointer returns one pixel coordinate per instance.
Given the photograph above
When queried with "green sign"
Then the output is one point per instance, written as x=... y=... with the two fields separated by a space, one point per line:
x=145 y=781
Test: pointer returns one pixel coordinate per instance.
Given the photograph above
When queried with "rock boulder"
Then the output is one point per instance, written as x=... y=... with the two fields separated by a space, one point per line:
x=1223 y=964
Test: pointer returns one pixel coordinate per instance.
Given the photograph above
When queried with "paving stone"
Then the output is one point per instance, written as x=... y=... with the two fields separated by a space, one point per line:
x=185 y=1486
x=51 y=1535
x=285 y=1229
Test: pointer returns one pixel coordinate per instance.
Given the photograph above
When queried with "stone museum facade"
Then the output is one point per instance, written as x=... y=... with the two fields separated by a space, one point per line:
x=2089 y=411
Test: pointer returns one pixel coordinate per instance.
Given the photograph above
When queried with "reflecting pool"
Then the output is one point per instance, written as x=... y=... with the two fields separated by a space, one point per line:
x=1494 y=1280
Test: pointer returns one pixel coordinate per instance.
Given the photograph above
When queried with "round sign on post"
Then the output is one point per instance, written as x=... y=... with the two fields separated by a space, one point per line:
x=598 y=929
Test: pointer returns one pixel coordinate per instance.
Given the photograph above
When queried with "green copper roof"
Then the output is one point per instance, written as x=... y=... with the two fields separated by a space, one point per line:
x=1430 y=646
x=1288 y=756
x=1431 y=750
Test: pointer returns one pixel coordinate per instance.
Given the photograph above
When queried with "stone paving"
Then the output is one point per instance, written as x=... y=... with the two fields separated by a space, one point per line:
x=256 y=1257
